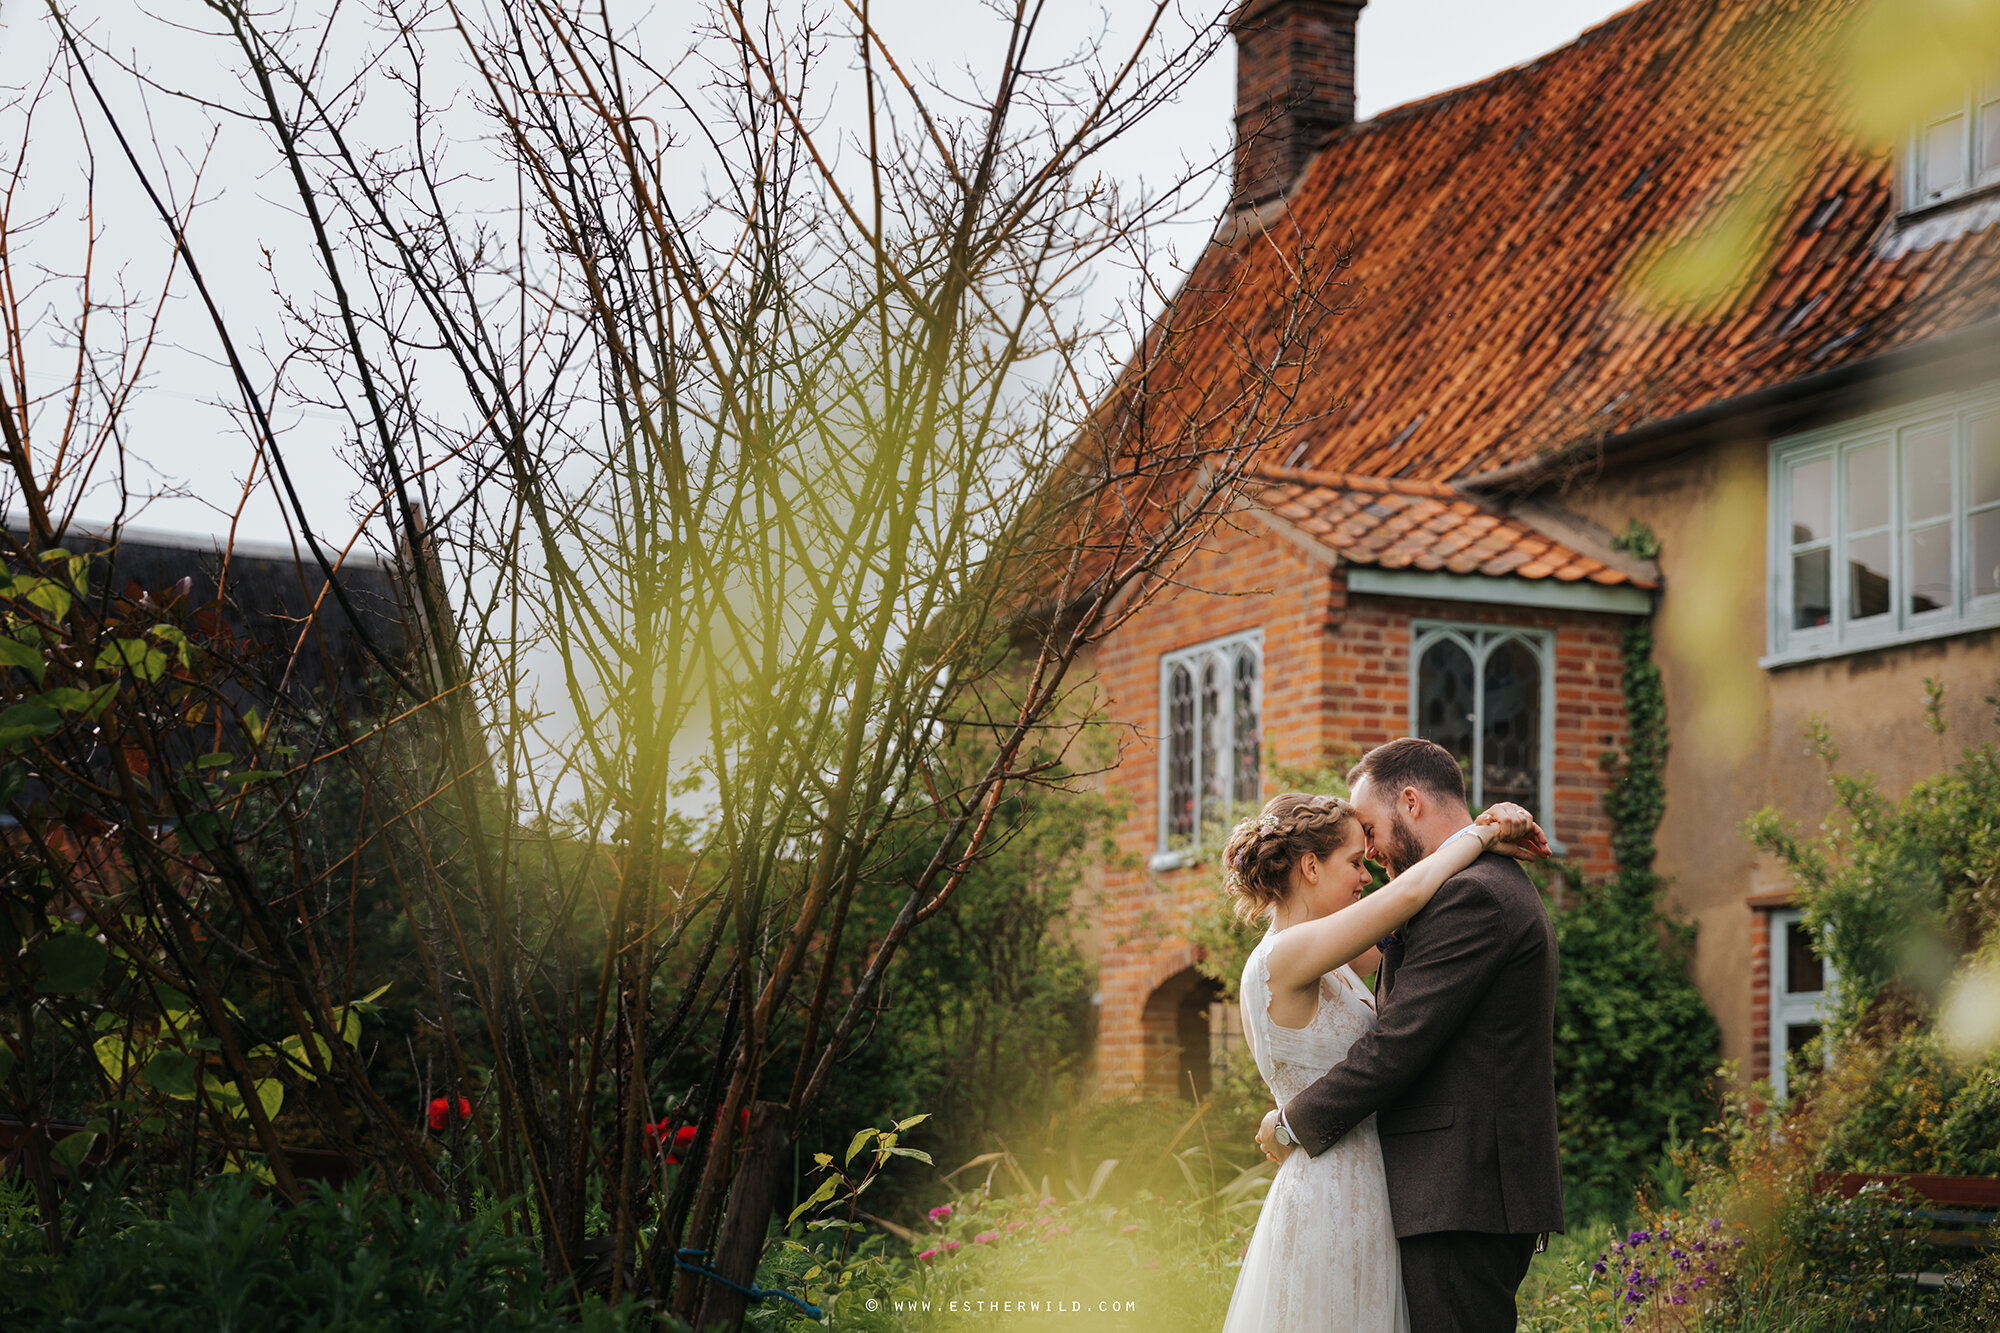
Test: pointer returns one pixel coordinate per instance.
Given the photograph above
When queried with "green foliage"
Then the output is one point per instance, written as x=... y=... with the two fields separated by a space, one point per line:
x=1895 y=889
x=987 y=1018
x=224 y=1259
x=1909 y=1106
x=1638 y=540
x=1063 y=1249
x=1635 y=1042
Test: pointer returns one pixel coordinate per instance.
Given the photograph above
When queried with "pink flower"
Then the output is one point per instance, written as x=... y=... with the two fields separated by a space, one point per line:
x=1015 y=1226
x=1047 y=1200
x=952 y=1247
x=985 y=1237
x=1154 y=1264
x=1134 y=1227
x=926 y=1256
x=941 y=1212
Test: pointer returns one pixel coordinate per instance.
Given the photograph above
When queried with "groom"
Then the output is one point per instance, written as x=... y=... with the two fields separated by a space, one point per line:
x=1460 y=1071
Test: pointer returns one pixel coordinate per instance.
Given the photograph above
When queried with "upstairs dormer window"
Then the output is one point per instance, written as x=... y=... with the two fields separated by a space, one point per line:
x=1955 y=152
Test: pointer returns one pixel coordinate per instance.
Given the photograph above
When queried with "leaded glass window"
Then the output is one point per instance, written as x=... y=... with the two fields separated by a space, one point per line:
x=1485 y=694
x=1211 y=711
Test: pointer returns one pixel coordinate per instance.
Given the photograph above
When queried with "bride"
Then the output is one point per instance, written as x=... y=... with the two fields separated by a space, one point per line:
x=1323 y=1258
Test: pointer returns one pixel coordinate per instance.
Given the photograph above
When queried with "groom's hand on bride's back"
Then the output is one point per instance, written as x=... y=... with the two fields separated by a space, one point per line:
x=1267 y=1138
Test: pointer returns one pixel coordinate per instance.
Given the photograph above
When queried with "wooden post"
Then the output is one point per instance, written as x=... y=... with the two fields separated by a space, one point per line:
x=748 y=1215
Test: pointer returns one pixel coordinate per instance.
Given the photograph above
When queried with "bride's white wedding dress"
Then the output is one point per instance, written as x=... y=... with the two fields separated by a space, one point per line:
x=1323 y=1258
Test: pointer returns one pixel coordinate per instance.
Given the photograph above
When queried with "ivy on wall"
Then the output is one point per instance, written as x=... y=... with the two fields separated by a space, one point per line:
x=1635 y=1043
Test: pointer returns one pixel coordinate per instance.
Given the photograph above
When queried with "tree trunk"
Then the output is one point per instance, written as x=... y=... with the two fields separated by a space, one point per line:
x=744 y=1221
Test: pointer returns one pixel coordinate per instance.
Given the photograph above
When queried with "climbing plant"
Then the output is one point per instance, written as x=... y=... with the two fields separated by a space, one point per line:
x=1635 y=1043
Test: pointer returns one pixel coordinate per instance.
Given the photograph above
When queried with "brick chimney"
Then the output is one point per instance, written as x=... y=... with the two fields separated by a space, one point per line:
x=1294 y=87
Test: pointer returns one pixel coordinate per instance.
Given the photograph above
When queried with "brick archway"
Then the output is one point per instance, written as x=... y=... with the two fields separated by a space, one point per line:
x=1175 y=1025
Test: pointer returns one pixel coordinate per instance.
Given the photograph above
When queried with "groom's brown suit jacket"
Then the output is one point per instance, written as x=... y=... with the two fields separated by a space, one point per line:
x=1460 y=1071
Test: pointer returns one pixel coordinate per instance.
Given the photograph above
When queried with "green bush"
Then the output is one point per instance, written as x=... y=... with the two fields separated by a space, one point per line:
x=223 y=1258
x=1896 y=889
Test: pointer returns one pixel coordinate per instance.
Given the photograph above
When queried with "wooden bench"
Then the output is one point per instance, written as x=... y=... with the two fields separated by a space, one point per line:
x=1956 y=1212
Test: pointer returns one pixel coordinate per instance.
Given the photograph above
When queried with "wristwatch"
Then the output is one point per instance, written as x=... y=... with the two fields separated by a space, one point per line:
x=1283 y=1134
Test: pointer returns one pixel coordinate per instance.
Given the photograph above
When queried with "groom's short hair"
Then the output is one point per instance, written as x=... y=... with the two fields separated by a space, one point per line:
x=1411 y=762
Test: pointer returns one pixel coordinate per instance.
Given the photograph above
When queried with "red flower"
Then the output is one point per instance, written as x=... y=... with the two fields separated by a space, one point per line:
x=440 y=1110
x=682 y=1139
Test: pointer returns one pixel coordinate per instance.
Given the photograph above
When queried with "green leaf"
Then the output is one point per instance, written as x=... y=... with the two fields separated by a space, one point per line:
x=142 y=659
x=917 y=1153
x=49 y=596
x=70 y=1149
x=350 y=1028
x=253 y=726
x=27 y=721
x=100 y=699
x=118 y=1055
x=819 y=1196
x=70 y=963
x=855 y=1147
x=216 y=760
x=822 y=1159
x=376 y=994
x=13 y=778
x=65 y=699
x=253 y=775
x=172 y=1072
x=918 y=1119
x=295 y=1050
x=14 y=653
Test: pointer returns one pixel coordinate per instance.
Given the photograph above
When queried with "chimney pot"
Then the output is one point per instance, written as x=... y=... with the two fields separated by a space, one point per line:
x=1294 y=88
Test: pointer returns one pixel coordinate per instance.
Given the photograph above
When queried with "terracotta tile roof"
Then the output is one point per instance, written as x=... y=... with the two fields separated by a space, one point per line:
x=1399 y=524
x=1491 y=235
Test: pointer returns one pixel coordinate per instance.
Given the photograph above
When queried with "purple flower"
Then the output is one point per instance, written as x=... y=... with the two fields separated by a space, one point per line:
x=1639 y=1238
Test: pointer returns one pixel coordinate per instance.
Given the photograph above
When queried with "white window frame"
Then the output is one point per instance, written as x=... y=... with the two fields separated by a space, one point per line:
x=1975 y=115
x=1479 y=641
x=1223 y=652
x=1789 y=1010
x=1963 y=612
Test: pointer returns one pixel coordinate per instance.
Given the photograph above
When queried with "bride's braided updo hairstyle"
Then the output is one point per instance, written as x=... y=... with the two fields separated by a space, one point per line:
x=1257 y=862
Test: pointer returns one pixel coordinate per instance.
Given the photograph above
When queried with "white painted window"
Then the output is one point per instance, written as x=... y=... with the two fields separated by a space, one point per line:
x=1886 y=528
x=1802 y=994
x=1955 y=151
x=1211 y=723
x=1487 y=694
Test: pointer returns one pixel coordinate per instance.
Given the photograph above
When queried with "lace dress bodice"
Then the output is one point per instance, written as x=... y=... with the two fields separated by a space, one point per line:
x=1324 y=1257
x=1292 y=1059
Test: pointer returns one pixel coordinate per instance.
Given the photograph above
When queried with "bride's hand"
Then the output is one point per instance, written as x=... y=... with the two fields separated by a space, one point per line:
x=1519 y=837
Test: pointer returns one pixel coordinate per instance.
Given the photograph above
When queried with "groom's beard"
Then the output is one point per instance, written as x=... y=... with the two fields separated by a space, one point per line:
x=1404 y=850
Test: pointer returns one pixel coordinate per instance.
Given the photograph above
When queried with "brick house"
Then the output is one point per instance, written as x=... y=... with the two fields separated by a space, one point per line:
x=1817 y=449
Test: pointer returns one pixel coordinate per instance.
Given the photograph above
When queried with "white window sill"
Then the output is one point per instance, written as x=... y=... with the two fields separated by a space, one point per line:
x=1821 y=652
x=1174 y=860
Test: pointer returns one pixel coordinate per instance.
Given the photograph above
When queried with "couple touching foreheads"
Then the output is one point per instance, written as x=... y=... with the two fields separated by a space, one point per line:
x=1416 y=1127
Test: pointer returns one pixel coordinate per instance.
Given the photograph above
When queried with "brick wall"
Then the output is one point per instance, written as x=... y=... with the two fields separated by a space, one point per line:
x=1336 y=683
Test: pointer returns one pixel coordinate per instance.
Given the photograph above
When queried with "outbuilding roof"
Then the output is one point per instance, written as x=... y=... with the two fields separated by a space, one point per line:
x=1420 y=525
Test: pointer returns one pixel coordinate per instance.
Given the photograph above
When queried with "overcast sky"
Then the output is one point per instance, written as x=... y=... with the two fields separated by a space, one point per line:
x=1407 y=49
